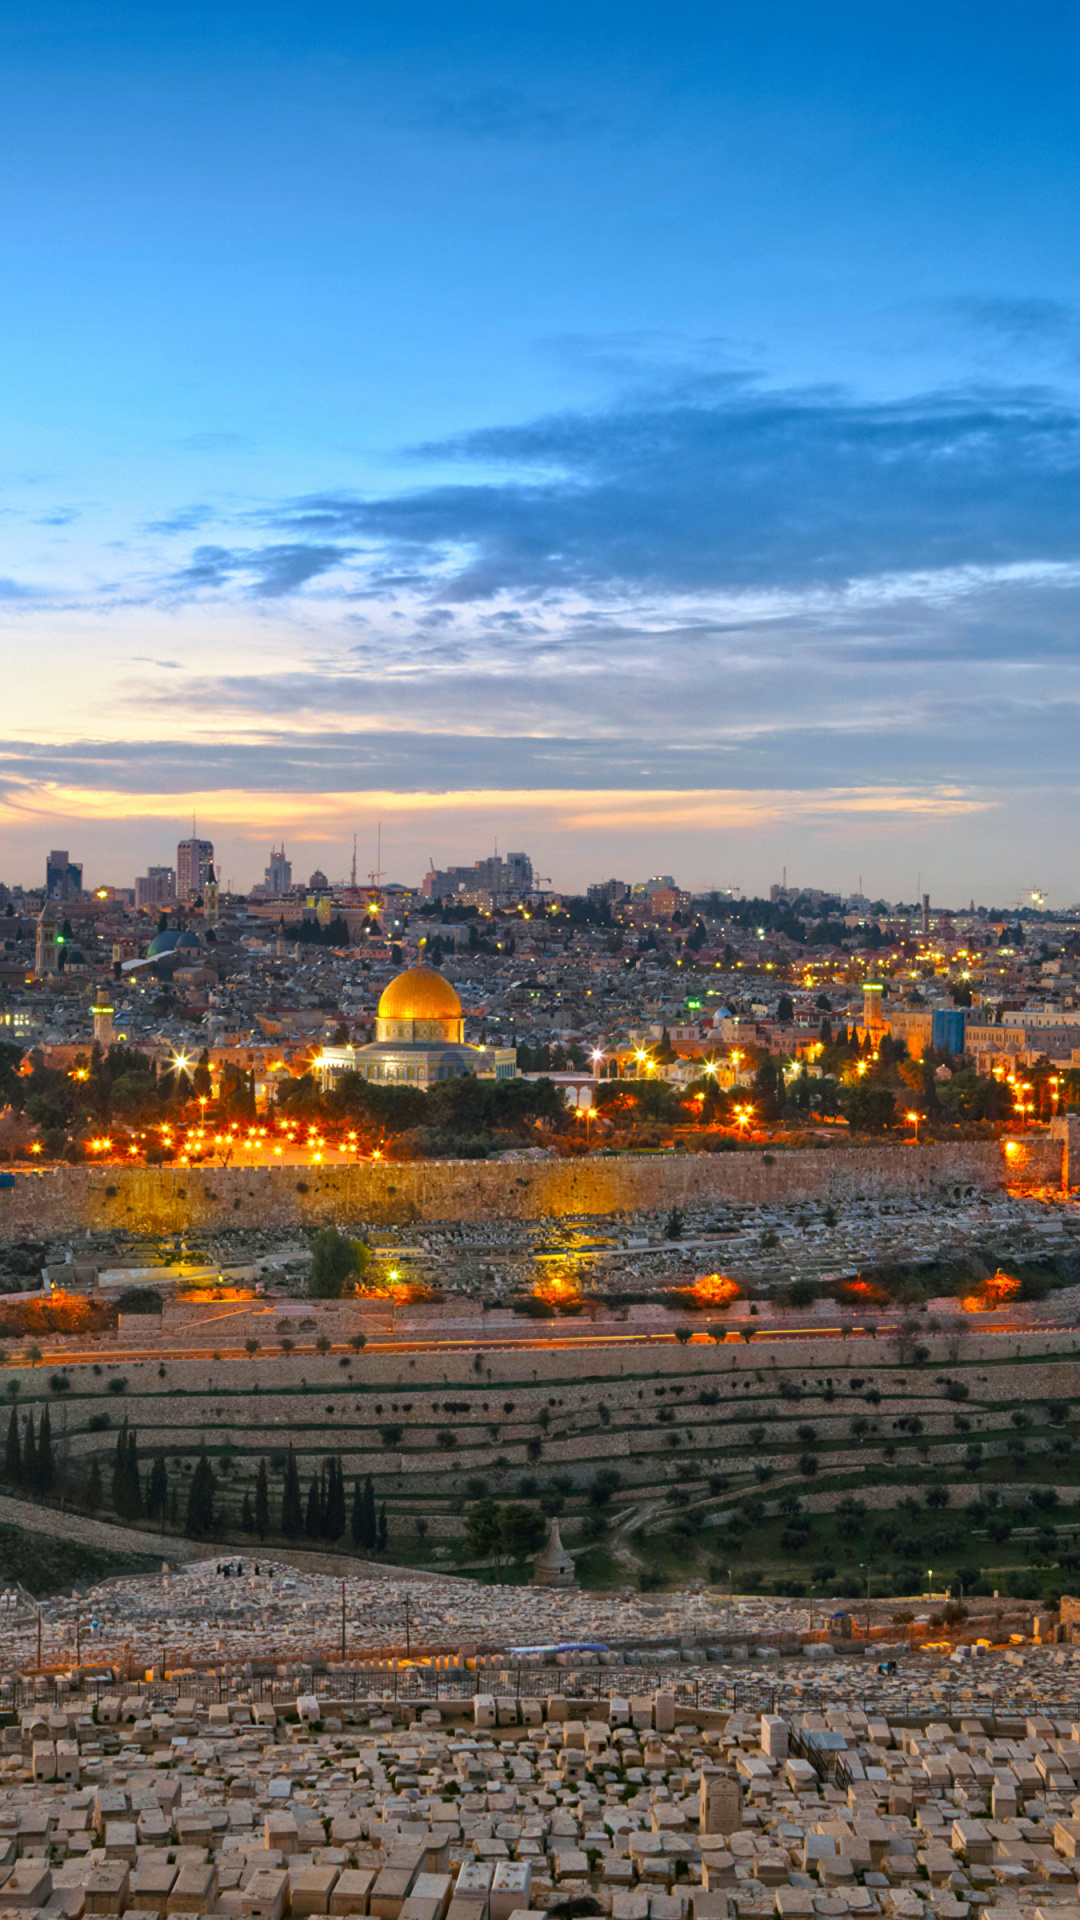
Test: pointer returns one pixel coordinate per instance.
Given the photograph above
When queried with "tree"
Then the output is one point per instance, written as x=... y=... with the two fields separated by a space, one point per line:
x=262 y=1502
x=313 y=1514
x=292 y=1512
x=483 y=1528
x=13 y=1452
x=384 y=1531
x=46 y=1466
x=29 y=1453
x=334 y=1515
x=521 y=1531
x=337 y=1262
x=94 y=1493
x=868 y=1109
x=157 y=1490
x=200 y=1507
x=371 y=1524
x=247 y=1518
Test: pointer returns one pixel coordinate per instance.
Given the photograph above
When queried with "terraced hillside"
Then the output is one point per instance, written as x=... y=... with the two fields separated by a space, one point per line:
x=673 y=1457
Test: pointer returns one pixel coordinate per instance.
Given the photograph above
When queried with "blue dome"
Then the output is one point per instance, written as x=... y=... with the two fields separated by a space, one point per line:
x=188 y=941
x=161 y=943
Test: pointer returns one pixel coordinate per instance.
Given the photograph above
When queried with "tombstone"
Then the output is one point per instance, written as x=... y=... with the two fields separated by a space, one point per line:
x=720 y=1804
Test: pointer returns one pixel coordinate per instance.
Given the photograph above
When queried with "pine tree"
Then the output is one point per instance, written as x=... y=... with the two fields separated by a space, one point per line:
x=46 y=1465
x=157 y=1491
x=292 y=1511
x=383 y=1529
x=262 y=1502
x=29 y=1453
x=13 y=1452
x=356 y=1522
x=371 y=1529
x=200 y=1509
x=313 y=1516
x=94 y=1492
x=247 y=1518
x=174 y=1508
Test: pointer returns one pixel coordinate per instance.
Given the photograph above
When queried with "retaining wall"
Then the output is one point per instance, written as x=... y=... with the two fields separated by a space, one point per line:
x=171 y=1199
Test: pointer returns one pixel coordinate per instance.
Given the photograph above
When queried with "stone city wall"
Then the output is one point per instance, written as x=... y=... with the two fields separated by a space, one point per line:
x=171 y=1199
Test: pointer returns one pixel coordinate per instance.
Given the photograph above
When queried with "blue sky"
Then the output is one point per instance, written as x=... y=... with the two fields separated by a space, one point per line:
x=650 y=436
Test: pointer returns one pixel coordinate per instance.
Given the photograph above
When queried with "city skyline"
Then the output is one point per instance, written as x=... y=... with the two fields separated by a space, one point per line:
x=653 y=443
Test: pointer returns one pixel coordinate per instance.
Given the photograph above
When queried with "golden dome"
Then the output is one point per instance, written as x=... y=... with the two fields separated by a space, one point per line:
x=419 y=994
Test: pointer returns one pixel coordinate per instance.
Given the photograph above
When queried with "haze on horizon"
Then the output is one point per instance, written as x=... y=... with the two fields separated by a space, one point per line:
x=649 y=437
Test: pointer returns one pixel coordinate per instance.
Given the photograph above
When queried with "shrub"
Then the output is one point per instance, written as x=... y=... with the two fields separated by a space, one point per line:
x=808 y=1464
x=445 y=1436
x=118 y=1384
x=789 y=1390
x=391 y=1434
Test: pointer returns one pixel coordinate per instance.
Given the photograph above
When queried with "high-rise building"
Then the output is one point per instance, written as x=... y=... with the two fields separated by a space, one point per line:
x=279 y=872
x=63 y=877
x=156 y=887
x=501 y=878
x=194 y=867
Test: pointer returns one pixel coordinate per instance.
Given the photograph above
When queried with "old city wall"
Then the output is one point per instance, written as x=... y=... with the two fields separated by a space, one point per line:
x=171 y=1199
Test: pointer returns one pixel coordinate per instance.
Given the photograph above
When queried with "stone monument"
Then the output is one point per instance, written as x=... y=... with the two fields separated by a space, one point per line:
x=554 y=1567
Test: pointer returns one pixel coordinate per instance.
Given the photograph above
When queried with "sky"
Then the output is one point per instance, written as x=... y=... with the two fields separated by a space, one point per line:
x=645 y=436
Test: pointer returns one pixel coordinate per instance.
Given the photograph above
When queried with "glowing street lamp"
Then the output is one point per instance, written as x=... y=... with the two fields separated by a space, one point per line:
x=914 y=1118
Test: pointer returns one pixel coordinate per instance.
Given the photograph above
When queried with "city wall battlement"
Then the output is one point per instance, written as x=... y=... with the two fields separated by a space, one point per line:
x=66 y=1199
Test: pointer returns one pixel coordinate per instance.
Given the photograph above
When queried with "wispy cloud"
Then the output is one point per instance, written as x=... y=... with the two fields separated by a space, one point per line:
x=267 y=572
x=737 y=489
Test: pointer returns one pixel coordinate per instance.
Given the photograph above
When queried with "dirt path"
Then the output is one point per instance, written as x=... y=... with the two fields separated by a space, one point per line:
x=174 y=1548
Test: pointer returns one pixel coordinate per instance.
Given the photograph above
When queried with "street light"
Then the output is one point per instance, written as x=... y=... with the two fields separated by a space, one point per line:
x=866 y=1568
x=914 y=1118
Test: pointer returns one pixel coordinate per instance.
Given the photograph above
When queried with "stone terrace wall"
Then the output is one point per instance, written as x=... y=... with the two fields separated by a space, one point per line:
x=170 y=1199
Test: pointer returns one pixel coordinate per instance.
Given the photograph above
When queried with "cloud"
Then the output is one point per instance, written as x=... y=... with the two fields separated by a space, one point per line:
x=501 y=114
x=269 y=572
x=1018 y=323
x=729 y=489
x=184 y=520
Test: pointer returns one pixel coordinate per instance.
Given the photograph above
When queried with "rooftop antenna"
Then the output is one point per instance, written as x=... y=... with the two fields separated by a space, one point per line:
x=376 y=876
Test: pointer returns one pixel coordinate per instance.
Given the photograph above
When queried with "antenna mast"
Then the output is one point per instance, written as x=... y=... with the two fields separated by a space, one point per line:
x=376 y=876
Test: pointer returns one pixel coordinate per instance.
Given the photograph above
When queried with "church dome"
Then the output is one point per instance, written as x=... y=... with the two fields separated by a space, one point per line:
x=420 y=994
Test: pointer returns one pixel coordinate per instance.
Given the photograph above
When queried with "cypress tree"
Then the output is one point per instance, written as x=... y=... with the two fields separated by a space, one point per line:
x=247 y=1518
x=371 y=1530
x=262 y=1502
x=132 y=1484
x=46 y=1465
x=200 y=1510
x=383 y=1529
x=313 y=1517
x=13 y=1452
x=157 y=1492
x=29 y=1453
x=292 y=1511
x=335 y=1516
x=356 y=1523
x=119 y=1471
x=94 y=1494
